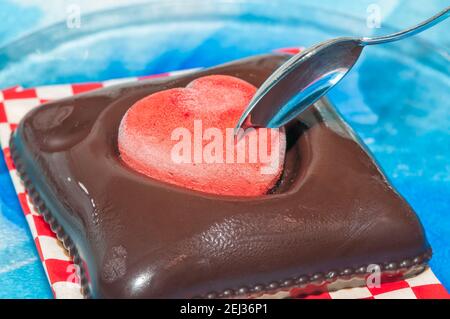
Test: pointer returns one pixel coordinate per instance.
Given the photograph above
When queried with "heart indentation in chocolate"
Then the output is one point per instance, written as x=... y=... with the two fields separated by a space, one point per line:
x=183 y=136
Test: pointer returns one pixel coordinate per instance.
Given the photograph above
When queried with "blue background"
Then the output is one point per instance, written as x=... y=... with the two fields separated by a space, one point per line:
x=410 y=139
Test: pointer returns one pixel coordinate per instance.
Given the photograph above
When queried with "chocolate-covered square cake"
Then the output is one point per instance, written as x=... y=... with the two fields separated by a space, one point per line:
x=137 y=229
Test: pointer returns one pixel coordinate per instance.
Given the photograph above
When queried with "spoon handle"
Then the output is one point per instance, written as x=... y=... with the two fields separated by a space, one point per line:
x=444 y=14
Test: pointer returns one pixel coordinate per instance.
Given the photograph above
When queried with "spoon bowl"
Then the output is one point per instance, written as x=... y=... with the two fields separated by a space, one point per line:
x=288 y=92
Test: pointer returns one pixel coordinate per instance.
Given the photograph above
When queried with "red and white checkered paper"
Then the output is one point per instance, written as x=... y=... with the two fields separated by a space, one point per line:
x=15 y=102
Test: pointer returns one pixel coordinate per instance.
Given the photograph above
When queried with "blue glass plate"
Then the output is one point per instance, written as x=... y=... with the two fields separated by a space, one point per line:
x=396 y=98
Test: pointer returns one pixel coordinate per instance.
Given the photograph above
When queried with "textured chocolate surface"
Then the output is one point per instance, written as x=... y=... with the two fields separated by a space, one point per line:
x=332 y=210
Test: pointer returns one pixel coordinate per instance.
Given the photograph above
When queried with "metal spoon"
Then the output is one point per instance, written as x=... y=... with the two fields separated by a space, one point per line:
x=310 y=74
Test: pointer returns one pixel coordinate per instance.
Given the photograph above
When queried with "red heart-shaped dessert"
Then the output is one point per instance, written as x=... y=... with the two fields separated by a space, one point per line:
x=184 y=136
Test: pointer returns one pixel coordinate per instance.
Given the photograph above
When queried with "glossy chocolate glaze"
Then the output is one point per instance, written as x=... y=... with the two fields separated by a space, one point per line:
x=332 y=209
